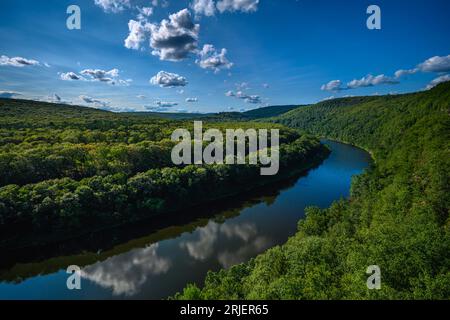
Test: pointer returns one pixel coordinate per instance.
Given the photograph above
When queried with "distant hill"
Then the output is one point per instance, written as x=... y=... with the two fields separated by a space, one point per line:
x=42 y=109
x=168 y=115
x=265 y=112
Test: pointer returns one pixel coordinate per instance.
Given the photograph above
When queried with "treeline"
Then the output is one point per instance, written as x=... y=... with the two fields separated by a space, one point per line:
x=397 y=217
x=64 y=168
x=67 y=204
x=42 y=141
x=78 y=161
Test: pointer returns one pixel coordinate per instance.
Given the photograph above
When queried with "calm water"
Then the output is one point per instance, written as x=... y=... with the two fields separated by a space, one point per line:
x=149 y=263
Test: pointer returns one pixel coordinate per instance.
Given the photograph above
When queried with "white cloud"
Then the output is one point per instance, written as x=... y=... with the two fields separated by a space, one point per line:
x=138 y=31
x=113 y=6
x=436 y=64
x=110 y=77
x=164 y=104
x=141 y=96
x=69 y=76
x=254 y=99
x=265 y=85
x=400 y=73
x=210 y=58
x=191 y=99
x=370 y=81
x=101 y=75
x=334 y=85
x=237 y=5
x=243 y=86
x=176 y=38
x=204 y=7
x=168 y=80
x=95 y=102
x=17 y=62
x=161 y=106
x=328 y=98
x=367 y=81
x=164 y=3
x=437 y=81
x=145 y=12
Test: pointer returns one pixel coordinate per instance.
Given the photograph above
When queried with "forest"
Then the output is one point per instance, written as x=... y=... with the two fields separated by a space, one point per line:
x=67 y=169
x=397 y=216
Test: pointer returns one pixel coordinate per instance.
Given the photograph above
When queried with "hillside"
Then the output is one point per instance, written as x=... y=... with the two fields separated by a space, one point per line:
x=397 y=217
x=66 y=169
x=265 y=112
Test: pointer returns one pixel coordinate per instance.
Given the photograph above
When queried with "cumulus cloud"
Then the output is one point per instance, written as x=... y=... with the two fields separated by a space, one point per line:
x=113 y=6
x=333 y=85
x=95 y=102
x=204 y=7
x=176 y=38
x=437 y=81
x=370 y=81
x=164 y=104
x=435 y=64
x=69 y=76
x=400 y=73
x=254 y=99
x=145 y=12
x=138 y=31
x=210 y=58
x=17 y=62
x=9 y=94
x=367 y=81
x=237 y=5
x=168 y=80
x=101 y=75
x=191 y=99
x=110 y=77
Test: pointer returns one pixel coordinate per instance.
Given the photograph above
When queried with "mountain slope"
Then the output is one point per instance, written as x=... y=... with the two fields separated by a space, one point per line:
x=397 y=217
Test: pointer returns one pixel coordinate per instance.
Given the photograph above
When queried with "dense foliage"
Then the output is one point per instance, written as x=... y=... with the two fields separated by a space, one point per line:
x=397 y=216
x=64 y=168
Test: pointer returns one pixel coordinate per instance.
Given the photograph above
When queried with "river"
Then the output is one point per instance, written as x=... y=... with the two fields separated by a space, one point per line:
x=144 y=263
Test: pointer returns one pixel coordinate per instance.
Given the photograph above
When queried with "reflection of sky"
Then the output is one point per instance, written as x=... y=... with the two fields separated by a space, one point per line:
x=126 y=273
x=246 y=233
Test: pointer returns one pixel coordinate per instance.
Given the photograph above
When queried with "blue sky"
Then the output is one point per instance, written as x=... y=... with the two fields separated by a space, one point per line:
x=277 y=52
